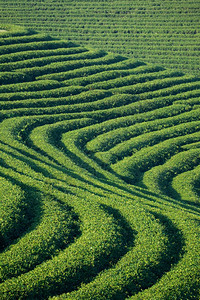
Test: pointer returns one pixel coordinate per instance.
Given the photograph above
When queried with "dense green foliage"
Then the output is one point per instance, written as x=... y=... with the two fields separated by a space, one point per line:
x=166 y=32
x=99 y=174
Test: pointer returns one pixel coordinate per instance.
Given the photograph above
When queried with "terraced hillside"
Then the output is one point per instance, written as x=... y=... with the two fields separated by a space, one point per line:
x=166 y=32
x=99 y=174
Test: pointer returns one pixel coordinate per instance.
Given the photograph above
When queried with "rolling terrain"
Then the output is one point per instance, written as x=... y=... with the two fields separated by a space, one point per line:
x=162 y=32
x=99 y=174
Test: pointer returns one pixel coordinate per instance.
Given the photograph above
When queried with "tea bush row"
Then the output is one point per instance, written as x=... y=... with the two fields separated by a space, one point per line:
x=108 y=140
x=42 y=61
x=160 y=178
x=32 y=54
x=13 y=209
x=119 y=63
x=186 y=185
x=141 y=161
x=52 y=229
x=81 y=260
x=39 y=45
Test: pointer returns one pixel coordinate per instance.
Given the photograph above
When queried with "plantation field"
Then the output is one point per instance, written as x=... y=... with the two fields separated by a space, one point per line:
x=99 y=174
x=162 y=32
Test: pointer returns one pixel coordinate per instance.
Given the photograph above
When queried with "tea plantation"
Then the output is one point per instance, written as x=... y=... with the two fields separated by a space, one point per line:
x=99 y=173
x=163 y=32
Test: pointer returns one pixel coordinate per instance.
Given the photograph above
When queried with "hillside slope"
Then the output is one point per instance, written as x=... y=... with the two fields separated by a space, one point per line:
x=163 y=32
x=99 y=174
